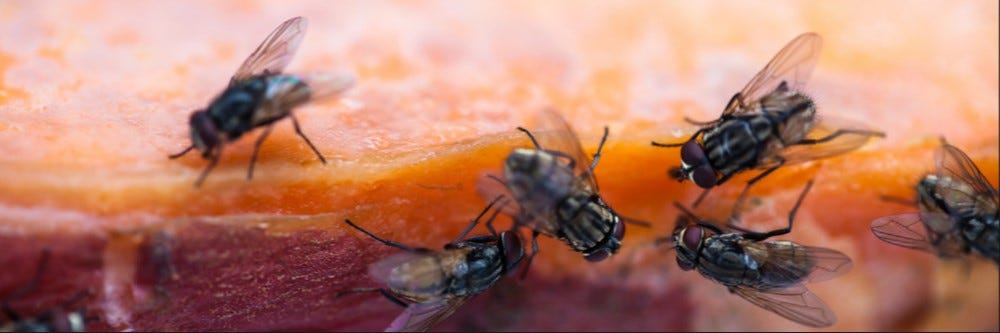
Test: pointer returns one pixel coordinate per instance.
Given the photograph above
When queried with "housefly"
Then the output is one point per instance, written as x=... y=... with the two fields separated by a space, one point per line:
x=259 y=95
x=769 y=274
x=555 y=192
x=958 y=211
x=57 y=319
x=431 y=285
x=768 y=124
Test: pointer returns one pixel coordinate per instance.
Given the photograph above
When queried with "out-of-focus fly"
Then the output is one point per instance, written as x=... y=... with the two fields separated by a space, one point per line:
x=258 y=95
x=958 y=211
x=57 y=319
x=768 y=124
x=769 y=274
x=431 y=285
x=556 y=193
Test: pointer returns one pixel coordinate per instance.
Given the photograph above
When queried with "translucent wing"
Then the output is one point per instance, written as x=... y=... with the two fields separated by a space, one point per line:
x=382 y=269
x=784 y=263
x=954 y=164
x=419 y=317
x=555 y=134
x=928 y=232
x=793 y=64
x=326 y=85
x=796 y=303
x=276 y=51
x=490 y=188
x=828 y=143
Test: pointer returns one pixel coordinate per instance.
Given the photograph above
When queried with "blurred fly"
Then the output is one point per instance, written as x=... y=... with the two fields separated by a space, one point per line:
x=556 y=193
x=958 y=211
x=768 y=124
x=431 y=285
x=56 y=319
x=259 y=95
x=769 y=274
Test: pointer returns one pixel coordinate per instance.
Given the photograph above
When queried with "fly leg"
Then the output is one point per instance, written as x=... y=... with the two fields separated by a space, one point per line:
x=185 y=151
x=381 y=240
x=701 y=197
x=791 y=217
x=489 y=222
x=215 y=153
x=839 y=132
x=898 y=200
x=597 y=155
x=572 y=161
x=385 y=293
x=298 y=130
x=674 y=145
x=735 y=215
x=534 y=251
x=256 y=149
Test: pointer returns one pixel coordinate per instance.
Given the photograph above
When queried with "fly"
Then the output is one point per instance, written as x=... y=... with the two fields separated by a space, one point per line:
x=958 y=211
x=259 y=95
x=431 y=285
x=56 y=319
x=768 y=124
x=769 y=274
x=555 y=191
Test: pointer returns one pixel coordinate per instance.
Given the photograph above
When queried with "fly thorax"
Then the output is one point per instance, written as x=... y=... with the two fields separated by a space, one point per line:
x=927 y=200
x=481 y=268
x=537 y=179
x=233 y=110
x=723 y=260
x=286 y=91
x=735 y=144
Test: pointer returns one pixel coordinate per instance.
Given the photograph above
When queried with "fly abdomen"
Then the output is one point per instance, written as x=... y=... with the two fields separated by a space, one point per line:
x=723 y=260
x=537 y=179
x=983 y=236
x=482 y=268
x=737 y=143
x=585 y=223
x=233 y=111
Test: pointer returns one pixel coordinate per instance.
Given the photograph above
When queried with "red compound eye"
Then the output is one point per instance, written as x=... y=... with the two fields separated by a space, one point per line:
x=700 y=171
x=692 y=238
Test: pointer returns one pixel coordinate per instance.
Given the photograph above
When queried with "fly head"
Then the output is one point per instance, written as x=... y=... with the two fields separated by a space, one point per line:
x=204 y=134
x=695 y=166
x=687 y=242
x=513 y=251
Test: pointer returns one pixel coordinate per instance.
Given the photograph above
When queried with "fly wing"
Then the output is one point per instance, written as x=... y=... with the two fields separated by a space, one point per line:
x=823 y=140
x=793 y=64
x=784 y=263
x=326 y=85
x=490 y=187
x=917 y=231
x=276 y=51
x=381 y=269
x=419 y=317
x=955 y=164
x=796 y=303
x=555 y=134
x=906 y=230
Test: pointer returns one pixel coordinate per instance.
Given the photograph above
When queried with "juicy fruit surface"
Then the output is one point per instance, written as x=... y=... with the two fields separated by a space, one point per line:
x=95 y=95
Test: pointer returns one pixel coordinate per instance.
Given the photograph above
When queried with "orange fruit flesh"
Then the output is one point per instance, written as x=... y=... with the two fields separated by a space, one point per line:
x=92 y=101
